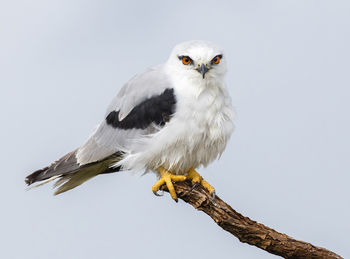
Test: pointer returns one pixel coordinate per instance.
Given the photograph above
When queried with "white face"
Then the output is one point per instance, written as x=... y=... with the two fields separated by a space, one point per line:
x=198 y=59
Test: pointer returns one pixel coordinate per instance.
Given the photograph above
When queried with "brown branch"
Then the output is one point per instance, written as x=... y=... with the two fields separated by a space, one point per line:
x=245 y=229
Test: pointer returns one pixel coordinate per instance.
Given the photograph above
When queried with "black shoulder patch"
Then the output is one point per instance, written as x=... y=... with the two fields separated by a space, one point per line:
x=156 y=109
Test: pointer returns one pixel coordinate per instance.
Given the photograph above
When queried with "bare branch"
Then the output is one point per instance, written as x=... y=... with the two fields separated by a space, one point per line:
x=245 y=229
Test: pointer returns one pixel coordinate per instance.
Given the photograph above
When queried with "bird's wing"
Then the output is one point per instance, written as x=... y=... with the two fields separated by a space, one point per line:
x=146 y=102
x=142 y=107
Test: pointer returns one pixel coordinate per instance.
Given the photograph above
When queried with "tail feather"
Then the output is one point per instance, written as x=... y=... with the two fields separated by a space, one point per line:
x=32 y=178
x=66 y=164
x=44 y=182
x=69 y=174
x=70 y=181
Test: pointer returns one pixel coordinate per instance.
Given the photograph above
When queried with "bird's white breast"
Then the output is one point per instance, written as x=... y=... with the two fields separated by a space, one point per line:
x=206 y=116
x=196 y=134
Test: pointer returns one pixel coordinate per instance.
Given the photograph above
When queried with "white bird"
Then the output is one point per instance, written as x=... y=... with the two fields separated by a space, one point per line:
x=171 y=119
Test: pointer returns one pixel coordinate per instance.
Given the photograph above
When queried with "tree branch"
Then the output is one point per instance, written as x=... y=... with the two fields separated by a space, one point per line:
x=245 y=229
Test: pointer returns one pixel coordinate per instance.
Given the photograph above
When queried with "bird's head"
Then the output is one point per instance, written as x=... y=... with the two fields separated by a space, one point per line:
x=198 y=60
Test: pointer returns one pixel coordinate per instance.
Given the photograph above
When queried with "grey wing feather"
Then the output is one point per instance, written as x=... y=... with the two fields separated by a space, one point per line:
x=107 y=140
x=69 y=173
x=85 y=173
x=66 y=164
x=153 y=81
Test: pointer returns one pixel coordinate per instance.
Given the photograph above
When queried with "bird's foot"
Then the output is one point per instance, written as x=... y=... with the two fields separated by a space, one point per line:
x=167 y=178
x=196 y=179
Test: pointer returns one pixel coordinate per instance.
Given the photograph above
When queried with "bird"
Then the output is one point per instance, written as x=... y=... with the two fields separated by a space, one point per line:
x=170 y=119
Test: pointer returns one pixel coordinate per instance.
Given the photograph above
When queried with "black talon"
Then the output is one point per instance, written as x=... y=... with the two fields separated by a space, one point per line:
x=157 y=194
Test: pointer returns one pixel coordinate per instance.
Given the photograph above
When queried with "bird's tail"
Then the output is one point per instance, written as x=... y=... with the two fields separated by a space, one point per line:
x=69 y=174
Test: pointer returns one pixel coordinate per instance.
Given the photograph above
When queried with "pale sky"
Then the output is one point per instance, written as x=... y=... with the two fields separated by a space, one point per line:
x=286 y=165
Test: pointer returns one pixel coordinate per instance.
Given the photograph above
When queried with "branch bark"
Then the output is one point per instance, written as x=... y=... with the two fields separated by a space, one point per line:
x=245 y=229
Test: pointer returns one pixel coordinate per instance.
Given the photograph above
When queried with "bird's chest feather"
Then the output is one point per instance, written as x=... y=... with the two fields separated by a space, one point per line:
x=207 y=118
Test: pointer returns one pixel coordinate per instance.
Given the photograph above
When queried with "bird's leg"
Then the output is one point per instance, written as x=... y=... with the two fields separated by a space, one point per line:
x=167 y=178
x=195 y=177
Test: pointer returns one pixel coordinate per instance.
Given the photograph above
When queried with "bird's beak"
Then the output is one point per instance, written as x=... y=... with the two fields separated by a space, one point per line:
x=202 y=69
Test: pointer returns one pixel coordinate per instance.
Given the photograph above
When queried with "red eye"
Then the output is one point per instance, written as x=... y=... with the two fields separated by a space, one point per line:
x=186 y=60
x=216 y=60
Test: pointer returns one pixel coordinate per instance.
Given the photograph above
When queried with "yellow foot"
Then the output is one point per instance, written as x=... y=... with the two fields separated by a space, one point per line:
x=167 y=178
x=196 y=179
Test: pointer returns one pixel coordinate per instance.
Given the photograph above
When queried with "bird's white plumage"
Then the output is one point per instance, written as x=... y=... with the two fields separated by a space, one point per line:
x=198 y=130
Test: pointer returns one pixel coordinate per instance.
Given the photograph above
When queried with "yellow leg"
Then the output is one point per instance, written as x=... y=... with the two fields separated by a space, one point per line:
x=167 y=178
x=195 y=177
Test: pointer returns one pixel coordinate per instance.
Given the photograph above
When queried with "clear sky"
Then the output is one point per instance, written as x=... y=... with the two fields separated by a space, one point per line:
x=286 y=165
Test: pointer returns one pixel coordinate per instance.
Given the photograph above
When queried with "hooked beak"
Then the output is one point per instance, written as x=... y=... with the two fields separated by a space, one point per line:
x=202 y=69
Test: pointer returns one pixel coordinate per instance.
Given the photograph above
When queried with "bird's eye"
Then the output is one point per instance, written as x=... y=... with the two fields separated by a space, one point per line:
x=216 y=59
x=186 y=60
